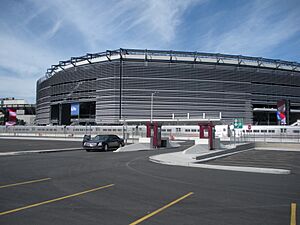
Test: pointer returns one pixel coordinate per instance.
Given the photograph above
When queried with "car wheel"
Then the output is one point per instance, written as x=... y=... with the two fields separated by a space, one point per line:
x=88 y=150
x=105 y=147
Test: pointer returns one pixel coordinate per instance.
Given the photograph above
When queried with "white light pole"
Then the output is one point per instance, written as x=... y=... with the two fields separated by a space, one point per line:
x=151 y=110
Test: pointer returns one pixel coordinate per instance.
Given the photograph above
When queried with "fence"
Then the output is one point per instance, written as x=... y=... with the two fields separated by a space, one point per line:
x=265 y=137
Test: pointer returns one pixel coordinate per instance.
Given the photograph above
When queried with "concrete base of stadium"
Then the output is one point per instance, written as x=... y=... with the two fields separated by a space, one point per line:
x=196 y=155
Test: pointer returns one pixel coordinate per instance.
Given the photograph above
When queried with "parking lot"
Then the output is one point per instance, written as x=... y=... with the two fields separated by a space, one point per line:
x=80 y=187
x=263 y=158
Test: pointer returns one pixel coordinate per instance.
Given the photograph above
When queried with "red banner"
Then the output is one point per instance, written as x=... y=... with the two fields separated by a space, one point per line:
x=281 y=112
x=12 y=117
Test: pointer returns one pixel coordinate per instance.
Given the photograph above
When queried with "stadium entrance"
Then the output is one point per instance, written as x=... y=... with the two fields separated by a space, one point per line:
x=75 y=113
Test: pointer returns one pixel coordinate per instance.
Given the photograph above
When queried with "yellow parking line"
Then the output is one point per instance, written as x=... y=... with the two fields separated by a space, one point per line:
x=55 y=200
x=293 y=214
x=161 y=209
x=25 y=182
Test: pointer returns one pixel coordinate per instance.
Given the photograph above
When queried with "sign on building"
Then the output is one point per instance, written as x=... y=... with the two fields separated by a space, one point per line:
x=238 y=123
x=75 y=109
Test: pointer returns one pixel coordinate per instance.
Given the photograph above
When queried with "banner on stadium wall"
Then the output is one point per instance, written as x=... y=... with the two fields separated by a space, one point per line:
x=12 y=117
x=281 y=112
x=75 y=109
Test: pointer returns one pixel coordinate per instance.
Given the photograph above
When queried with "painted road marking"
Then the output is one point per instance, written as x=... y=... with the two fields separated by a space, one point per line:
x=161 y=209
x=293 y=214
x=55 y=200
x=25 y=182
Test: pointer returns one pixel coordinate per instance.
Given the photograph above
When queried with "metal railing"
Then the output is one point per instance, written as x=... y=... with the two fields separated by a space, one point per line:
x=266 y=138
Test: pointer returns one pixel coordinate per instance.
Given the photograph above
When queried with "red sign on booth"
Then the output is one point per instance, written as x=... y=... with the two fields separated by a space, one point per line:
x=249 y=126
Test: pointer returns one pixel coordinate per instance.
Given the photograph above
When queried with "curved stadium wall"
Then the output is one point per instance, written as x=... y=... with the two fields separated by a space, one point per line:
x=118 y=84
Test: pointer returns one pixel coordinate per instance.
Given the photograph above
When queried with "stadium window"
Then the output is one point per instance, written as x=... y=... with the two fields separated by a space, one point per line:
x=187 y=130
x=256 y=131
x=178 y=129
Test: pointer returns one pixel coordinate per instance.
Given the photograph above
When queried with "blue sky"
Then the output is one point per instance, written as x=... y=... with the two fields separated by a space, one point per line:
x=34 y=34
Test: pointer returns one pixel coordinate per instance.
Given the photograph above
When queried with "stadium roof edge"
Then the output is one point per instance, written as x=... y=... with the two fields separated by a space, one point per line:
x=171 y=55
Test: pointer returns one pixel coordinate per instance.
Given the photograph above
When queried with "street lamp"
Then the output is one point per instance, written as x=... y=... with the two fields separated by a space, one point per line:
x=151 y=111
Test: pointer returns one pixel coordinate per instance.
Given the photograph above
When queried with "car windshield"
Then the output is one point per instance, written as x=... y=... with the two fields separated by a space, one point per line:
x=100 y=138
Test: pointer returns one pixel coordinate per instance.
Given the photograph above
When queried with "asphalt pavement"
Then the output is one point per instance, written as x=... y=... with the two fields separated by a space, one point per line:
x=81 y=187
x=12 y=145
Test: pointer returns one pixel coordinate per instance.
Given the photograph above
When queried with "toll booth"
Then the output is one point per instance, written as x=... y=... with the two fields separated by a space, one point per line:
x=210 y=133
x=154 y=132
x=207 y=129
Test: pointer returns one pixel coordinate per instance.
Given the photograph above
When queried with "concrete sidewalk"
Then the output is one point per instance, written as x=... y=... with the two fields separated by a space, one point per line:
x=204 y=155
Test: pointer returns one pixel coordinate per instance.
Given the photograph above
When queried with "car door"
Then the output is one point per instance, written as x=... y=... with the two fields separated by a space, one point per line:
x=115 y=141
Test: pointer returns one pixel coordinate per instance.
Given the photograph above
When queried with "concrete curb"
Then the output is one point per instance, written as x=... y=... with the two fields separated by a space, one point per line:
x=43 y=138
x=213 y=157
x=39 y=151
x=216 y=153
x=177 y=159
x=226 y=168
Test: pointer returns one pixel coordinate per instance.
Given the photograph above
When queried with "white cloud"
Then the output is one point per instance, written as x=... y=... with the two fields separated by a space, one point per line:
x=259 y=30
x=55 y=28
x=161 y=17
x=100 y=21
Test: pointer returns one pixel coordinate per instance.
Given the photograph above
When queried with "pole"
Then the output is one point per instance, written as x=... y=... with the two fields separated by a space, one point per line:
x=60 y=113
x=151 y=107
x=234 y=140
x=120 y=87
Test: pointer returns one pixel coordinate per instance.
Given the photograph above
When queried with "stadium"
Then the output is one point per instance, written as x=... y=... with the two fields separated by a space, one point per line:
x=104 y=88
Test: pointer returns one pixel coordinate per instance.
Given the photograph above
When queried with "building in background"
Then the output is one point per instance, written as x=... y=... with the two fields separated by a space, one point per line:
x=103 y=88
x=25 y=113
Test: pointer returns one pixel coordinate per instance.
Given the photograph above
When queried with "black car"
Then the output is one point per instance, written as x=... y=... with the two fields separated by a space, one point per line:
x=102 y=142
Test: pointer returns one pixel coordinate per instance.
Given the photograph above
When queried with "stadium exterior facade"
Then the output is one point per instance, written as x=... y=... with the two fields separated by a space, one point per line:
x=118 y=84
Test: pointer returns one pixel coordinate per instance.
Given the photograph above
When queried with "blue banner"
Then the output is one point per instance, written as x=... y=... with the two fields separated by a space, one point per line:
x=75 y=109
